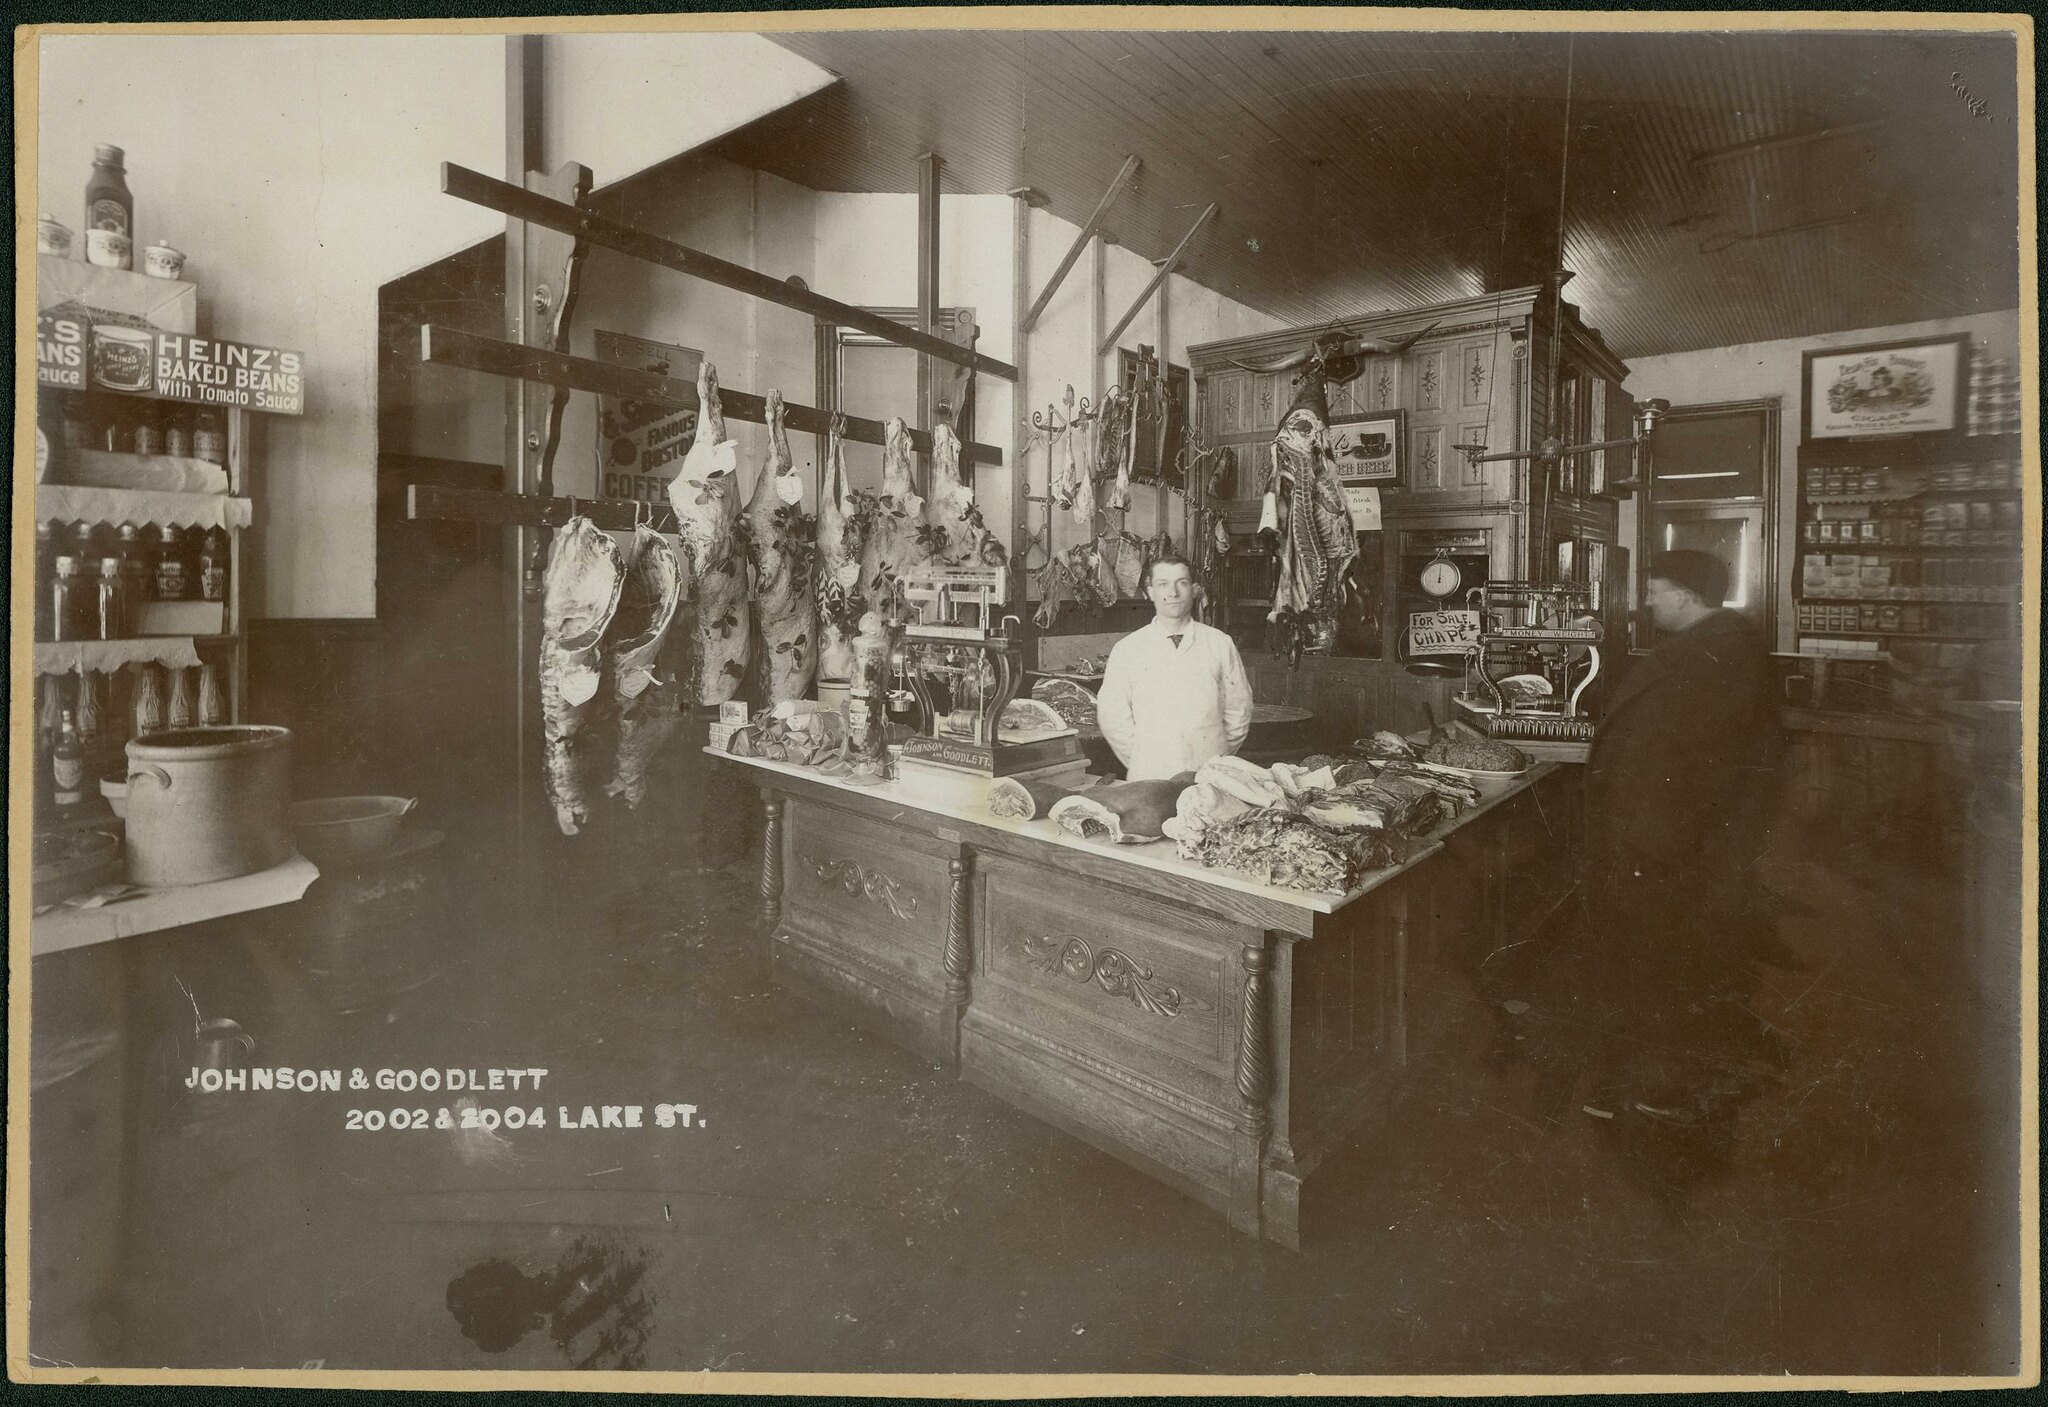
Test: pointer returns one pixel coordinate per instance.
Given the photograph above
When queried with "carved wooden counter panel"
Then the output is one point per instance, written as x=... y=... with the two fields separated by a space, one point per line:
x=1219 y=1035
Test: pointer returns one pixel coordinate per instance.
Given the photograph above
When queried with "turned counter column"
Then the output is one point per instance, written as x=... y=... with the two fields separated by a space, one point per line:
x=959 y=954
x=1254 y=1087
x=771 y=865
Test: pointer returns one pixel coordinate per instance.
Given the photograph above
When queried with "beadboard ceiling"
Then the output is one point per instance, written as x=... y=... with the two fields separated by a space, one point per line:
x=1719 y=188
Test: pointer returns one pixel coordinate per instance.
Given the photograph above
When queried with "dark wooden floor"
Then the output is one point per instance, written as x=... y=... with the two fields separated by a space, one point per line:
x=845 y=1208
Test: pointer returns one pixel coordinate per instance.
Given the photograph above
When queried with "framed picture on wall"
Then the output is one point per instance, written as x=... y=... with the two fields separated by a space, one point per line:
x=1367 y=447
x=1886 y=388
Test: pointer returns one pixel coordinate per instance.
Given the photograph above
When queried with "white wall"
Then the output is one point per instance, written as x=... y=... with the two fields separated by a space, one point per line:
x=1062 y=344
x=299 y=172
x=620 y=103
x=1759 y=369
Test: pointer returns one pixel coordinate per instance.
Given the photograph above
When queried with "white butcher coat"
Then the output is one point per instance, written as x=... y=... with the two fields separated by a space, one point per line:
x=1168 y=710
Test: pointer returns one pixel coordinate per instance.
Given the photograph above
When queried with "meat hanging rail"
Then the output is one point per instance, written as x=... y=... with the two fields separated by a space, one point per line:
x=547 y=365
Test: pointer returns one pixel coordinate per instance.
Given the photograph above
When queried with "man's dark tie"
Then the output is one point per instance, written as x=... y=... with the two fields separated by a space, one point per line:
x=1176 y=641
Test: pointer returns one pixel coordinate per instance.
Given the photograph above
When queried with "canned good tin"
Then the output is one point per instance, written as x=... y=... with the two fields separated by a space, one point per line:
x=162 y=261
x=53 y=237
x=110 y=249
x=120 y=356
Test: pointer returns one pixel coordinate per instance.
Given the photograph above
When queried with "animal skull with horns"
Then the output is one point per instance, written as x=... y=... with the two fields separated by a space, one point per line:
x=1336 y=359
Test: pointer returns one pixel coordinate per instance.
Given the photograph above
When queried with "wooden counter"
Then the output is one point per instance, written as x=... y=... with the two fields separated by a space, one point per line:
x=1221 y=1034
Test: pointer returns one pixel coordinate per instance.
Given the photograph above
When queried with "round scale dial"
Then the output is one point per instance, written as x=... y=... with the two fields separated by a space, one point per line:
x=1441 y=578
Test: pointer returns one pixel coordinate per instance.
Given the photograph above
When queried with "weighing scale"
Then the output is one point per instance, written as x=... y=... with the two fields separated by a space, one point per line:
x=959 y=661
x=1538 y=651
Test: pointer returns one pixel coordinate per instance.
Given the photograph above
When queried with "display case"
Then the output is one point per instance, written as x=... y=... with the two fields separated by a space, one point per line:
x=1909 y=539
x=141 y=507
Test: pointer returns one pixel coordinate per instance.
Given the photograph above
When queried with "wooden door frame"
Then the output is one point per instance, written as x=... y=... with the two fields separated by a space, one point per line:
x=1773 y=410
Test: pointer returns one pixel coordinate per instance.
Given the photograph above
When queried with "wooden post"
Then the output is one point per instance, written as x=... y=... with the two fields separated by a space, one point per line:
x=928 y=168
x=522 y=154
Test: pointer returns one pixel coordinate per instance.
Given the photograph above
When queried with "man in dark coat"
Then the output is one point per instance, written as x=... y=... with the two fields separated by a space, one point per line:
x=1679 y=790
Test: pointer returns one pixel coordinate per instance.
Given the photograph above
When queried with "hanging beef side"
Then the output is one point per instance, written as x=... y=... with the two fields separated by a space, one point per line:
x=781 y=539
x=705 y=496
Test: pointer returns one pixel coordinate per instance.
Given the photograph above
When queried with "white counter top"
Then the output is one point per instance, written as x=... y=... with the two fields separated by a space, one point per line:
x=152 y=910
x=966 y=801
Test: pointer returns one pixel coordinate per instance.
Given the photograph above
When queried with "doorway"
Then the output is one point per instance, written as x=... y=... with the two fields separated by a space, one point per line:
x=1712 y=487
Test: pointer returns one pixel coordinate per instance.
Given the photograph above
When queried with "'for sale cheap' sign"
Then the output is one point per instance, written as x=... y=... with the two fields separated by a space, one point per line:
x=73 y=353
x=1442 y=632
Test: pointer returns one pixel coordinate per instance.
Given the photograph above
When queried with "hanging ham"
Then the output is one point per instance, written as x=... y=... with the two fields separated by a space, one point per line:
x=643 y=668
x=961 y=537
x=781 y=540
x=579 y=596
x=705 y=495
x=901 y=538
x=846 y=519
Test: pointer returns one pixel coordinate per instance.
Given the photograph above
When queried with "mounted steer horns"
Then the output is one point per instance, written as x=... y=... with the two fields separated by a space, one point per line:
x=1339 y=359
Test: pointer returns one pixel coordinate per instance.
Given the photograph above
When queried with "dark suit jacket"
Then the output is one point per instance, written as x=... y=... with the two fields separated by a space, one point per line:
x=1684 y=759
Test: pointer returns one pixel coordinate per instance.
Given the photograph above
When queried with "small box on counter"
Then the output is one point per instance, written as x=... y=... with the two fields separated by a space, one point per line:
x=732 y=711
x=721 y=733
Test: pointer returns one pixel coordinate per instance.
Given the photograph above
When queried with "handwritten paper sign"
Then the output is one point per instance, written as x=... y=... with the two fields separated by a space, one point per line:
x=1442 y=632
x=1364 y=501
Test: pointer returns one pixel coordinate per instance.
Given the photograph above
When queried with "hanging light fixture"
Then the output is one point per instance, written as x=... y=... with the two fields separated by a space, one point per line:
x=1552 y=449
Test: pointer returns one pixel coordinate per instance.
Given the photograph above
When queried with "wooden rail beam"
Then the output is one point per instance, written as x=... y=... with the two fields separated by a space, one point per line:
x=1059 y=275
x=1166 y=266
x=451 y=347
x=519 y=204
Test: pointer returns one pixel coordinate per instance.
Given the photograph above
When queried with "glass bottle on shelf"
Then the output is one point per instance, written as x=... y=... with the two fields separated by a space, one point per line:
x=210 y=437
x=91 y=718
x=114 y=427
x=183 y=707
x=213 y=566
x=77 y=411
x=110 y=613
x=138 y=576
x=67 y=600
x=171 y=584
x=213 y=702
x=46 y=576
x=147 y=709
x=109 y=211
x=147 y=437
x=67 y=766
x=178 y=431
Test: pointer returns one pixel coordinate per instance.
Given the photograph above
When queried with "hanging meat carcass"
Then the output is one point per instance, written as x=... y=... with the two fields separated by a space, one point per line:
x=1318 y=539
x=705 y=494
x=960 y=537
x=846 y=518
x=1115 y=443
x=781 y=540
x=579 y=596
x=643 y=667
x=901 y=538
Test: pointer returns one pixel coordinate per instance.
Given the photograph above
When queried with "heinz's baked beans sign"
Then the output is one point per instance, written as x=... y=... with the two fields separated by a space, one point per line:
x=121 y=354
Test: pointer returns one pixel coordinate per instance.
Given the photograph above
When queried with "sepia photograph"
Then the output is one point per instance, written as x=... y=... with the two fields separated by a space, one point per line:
x=1026 y=702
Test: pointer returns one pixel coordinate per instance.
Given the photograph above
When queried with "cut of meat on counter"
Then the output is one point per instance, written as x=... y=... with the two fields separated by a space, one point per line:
x=705 y=495
x=1072 y=702
x=1456 y=747
x=642 y=666
x=579 y=595
x=1030 y=798
x=1291 y=853
x=1123 y=812
x=781 y=540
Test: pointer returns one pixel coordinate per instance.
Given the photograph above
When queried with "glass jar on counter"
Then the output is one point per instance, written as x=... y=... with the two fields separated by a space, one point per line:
x=173 y=574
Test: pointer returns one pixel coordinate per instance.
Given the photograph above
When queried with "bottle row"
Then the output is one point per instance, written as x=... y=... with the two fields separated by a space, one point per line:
x=91 y=579
x=1890 y=618
x=1852 y=576
x=118 y=424
x=1896 y=480
x=84 y=721
x=1894 y=524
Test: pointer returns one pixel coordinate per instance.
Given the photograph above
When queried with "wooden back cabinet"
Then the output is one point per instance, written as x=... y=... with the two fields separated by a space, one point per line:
x=1479 y=376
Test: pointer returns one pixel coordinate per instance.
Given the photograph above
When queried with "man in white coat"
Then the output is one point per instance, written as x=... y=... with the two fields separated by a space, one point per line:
x=1174 y=694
